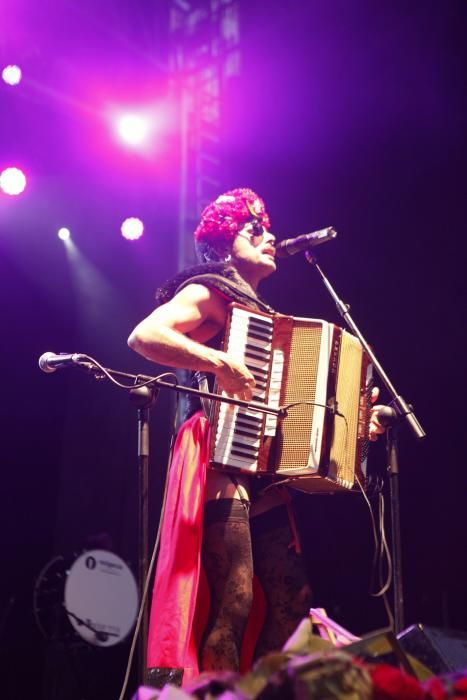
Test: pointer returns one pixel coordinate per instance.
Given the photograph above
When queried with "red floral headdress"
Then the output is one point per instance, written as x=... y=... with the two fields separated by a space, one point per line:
x=223 y=218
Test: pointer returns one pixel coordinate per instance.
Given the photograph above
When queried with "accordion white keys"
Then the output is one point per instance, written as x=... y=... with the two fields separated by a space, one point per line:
x=323 y=377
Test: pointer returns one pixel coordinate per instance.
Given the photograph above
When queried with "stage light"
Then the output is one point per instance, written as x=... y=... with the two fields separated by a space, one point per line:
x=64 y=234
x=141 y=127
x=134 y=129
x=132 y=228
x=11 y=74
x=12 y=181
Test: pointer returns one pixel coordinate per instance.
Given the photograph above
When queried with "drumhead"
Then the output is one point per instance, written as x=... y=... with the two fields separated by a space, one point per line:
x=101 y=597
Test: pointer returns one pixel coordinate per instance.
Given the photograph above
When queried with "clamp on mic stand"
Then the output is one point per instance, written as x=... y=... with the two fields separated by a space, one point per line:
x=398 y=410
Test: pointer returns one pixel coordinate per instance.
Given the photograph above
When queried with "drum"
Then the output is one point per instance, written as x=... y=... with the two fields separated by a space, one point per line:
x=101 y=598
x=93 y=597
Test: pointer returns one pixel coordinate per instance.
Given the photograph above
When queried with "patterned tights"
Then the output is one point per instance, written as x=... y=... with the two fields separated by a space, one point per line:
x=232 y=546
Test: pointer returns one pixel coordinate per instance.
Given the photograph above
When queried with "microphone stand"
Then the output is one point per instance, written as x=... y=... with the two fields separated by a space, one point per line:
x=144 y=397
x=402 y=411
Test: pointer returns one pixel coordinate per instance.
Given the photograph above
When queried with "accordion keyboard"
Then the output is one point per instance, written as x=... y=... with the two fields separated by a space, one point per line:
x=239 y=430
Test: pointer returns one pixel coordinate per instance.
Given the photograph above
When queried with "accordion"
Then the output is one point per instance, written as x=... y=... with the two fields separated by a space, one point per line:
x=320 y=374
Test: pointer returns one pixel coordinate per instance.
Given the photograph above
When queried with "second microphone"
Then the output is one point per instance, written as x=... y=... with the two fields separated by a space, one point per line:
x=307 y=240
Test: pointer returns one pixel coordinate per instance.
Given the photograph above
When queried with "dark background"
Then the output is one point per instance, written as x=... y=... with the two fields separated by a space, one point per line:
x=343 y=114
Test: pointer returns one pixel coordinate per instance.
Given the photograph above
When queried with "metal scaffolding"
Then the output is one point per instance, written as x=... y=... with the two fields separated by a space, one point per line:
x=204 y=54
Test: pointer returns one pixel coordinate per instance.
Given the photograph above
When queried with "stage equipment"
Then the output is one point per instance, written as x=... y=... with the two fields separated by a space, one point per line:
x=12 y=74
x=135 y=129
x=101 y=598
x=290 y=246
x=49 y=361
x=64 y=233
x=95 y=597
x=132 y=228
x=441 y=651
x=12 y=181
x=319 y=374
x=404 y=413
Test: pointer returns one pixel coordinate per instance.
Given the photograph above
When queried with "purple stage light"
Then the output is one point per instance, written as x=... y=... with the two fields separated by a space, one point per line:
x=12 y=181
x=142 y=128
x=12 y=74
x=132 y=228
x=134 y=129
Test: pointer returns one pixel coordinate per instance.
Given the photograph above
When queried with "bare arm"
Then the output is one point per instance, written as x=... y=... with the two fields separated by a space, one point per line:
x=175 y=333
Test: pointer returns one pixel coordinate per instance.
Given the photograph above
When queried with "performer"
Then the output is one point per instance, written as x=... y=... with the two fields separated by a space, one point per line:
x=219 y=530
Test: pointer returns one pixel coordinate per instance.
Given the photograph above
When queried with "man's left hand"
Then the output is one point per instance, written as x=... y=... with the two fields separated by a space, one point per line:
x=375 y=428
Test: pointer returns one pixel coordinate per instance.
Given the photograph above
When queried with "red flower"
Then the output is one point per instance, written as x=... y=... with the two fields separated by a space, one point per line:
x=452 y=686
x=390 y=683
x=435 y=689
x=222 y=219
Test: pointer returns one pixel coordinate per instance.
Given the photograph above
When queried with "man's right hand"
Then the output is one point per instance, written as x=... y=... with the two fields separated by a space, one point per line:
x=235 y=378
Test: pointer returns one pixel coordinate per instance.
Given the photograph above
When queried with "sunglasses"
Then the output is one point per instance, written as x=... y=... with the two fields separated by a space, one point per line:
x=256 y=234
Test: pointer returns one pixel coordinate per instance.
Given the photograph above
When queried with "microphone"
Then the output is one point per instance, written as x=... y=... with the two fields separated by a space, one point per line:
x=50 y=362
x=307 y=240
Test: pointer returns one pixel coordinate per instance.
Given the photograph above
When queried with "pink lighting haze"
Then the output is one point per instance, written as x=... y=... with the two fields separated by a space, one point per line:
x=12 y=181
x=132 y=228
x=11 y=74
